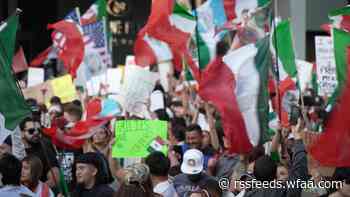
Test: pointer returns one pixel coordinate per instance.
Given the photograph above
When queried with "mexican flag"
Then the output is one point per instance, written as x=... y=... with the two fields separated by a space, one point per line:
x=169 y=26
x=283 y=50
x=340 y=19
x=331 y=149
x=237 y=85
x=13 y=108
x=97 y=11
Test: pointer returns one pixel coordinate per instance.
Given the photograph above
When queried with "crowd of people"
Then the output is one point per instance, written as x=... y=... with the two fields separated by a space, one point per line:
x=197 y=160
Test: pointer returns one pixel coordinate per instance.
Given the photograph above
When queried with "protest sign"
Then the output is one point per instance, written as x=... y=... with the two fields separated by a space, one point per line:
x=157 y=101
x=164 y=69
x=42 y=92
x=115 y=80
x=137 y=138
x=64 y=88
x=35 y=76
x=326 y=68
x=304 y=74
x=137 y=88
x=95 y=84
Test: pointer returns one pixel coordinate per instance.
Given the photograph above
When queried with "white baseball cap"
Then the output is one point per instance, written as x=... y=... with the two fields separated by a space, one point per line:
x=193 y=162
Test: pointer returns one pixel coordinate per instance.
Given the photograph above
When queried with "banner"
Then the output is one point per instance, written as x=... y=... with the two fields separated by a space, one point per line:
x=138 y=138
x=326 y=68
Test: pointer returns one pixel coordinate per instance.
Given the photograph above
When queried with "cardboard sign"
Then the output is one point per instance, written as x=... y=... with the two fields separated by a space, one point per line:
x=137 y=138
x=326 y=67
x=35 y=76
x=42 y=92
x=64 y=88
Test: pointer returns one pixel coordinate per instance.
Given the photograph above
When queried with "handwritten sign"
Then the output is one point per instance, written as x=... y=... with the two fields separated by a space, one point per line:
x=63 y=88
x=133 y=138
x=137 y=88
x=326 y=68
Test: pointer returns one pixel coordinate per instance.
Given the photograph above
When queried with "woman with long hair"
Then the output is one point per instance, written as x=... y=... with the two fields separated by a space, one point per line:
x=32 y=168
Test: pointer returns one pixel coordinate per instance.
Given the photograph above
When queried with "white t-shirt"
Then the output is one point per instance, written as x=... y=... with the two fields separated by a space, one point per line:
x=16 y=191
x=165 y=188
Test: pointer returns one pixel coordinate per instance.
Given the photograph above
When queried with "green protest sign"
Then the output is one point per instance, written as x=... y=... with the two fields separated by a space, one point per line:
x=138 y=138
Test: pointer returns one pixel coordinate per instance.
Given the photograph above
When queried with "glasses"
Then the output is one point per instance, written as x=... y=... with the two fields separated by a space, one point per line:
x=31 y=131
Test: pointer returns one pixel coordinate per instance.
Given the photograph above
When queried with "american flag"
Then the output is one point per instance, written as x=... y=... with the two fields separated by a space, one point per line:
x=95 y=40
x=74 y=16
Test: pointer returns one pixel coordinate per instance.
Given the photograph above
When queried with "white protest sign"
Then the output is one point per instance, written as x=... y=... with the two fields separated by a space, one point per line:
x=95 y=84
x=164 y=69
x=137 y=88
x=202 y=122
x=114 y=80
x=35 y=76
x=157 y=101
x=304 y=73
x=326 y=68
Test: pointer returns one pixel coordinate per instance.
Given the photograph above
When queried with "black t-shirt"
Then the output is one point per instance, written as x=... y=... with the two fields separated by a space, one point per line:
x=46 y=154
x=66 y=160
x=97 y=191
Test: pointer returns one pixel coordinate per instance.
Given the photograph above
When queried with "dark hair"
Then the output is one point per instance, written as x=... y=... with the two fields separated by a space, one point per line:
x=104 y=175
x=194 y=127
x=212 y=186
x=22 y=125
x=158 y=164
x=74 y=110
x=265 y=169
x=77 y=103
x=179 y=132
x=221 y=48
x=36 y=168
x=55 y=100
x=256 y=153
x=174 y=170
x=10 y=168
x=162 y=114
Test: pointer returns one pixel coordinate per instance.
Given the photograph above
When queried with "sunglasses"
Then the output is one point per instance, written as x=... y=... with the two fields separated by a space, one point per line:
x=31 y=131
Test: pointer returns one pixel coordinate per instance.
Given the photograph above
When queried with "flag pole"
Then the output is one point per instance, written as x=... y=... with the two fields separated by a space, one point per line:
x=194 y=7
x=274 y=37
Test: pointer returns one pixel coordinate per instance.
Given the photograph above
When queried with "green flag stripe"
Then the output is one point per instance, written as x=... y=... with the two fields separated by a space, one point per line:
x=285 y=47
x=342 y=11
x=182 y=11
x=262 y=3
x=263 y=61
x=13 y=106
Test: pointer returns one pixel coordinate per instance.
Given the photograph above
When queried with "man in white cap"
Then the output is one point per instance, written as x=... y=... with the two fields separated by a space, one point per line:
x=192 y=173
